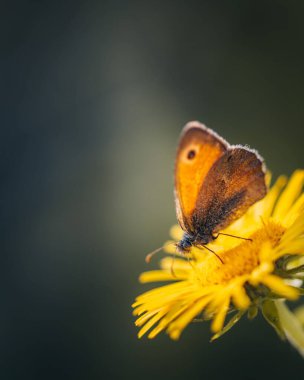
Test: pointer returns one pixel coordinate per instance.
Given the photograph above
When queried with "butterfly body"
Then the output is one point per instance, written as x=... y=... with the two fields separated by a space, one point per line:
x=215 y=184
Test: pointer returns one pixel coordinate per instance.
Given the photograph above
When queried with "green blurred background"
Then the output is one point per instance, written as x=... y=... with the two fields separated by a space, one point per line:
x=93 y=98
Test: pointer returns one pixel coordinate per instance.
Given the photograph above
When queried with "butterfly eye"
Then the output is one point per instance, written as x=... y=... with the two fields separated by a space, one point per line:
x=191 y=154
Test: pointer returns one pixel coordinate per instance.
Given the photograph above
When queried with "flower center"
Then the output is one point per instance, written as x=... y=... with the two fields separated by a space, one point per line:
x=240 y=260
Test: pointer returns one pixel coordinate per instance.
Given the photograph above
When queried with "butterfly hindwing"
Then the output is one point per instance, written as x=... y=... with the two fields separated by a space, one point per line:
x=234 y=183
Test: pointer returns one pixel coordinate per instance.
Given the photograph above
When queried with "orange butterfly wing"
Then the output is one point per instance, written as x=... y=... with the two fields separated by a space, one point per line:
x=199 y=149
x=234 y=183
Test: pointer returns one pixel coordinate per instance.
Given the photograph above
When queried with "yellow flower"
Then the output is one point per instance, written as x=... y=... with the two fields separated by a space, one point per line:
x=254 y=274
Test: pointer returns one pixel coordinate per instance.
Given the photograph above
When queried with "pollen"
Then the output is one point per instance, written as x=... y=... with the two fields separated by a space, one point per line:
x=242 y=259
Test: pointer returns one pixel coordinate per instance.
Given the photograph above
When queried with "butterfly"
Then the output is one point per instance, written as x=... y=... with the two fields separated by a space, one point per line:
x=215 y=184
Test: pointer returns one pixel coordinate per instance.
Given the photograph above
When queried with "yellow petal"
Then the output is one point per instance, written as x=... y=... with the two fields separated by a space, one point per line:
x=161 y=275
x=170 y=263
x=278 y=286
x=152 y=322
x=265 y=207
x=144 y=318
x=289 y=195
x=175 y=311
x=176 y=232
x=176 y=328
x=218 y=321
x=294 y=231
x=295 y=210
x=240 y=297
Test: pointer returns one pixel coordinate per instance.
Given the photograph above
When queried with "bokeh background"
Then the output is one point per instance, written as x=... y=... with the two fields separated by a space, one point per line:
x=93 y=98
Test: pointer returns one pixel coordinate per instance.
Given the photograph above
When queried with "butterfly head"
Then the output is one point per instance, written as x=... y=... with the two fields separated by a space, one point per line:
x=185 y=244
x=188 y=240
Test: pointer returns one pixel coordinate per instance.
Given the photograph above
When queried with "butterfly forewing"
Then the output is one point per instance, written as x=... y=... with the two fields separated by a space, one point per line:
x=199 y=149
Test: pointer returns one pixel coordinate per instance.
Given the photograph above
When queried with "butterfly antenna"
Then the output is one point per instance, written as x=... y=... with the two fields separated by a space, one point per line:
x=234 y=236
x=221 y=260
x=151 y=254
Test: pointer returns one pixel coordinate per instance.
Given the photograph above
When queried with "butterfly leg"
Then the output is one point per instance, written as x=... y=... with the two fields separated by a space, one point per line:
x=172 y=263
x=210 y=250
x=183 y=255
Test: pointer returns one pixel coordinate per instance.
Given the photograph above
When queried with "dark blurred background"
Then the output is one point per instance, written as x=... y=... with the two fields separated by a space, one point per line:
x=93 y=98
